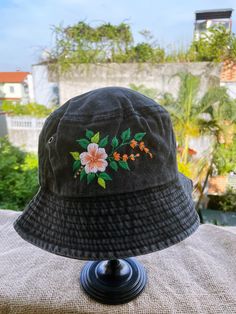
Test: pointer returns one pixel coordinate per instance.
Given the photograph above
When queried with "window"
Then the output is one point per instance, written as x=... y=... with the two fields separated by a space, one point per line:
x=11 y=89
x=201 y=26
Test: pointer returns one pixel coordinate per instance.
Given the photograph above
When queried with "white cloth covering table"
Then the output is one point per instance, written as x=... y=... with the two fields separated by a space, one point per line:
x=197 y=275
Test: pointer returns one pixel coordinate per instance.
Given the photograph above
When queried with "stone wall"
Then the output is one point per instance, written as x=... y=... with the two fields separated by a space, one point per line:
x=159 y=76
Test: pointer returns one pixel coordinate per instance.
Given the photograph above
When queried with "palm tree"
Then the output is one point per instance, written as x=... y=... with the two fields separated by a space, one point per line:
x=193 y=116
x=214 y=113
x=221 y=116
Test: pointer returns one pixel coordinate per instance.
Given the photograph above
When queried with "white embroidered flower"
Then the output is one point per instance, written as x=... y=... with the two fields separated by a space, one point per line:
x=94 y=158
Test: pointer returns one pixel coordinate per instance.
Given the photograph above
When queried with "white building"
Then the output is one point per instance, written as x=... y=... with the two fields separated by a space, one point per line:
x=45 y=91
x=208 y=18
x=16 y=86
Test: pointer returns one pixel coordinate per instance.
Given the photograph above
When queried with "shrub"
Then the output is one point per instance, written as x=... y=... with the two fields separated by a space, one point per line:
x=228 y=201
x=18 y=176
x=32 y=109
x=216 y=44
x=224 y=158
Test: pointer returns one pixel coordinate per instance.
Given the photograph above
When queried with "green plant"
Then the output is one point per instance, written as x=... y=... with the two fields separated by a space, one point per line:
x=31 y=109
x=18 y=176
x=228 y=201
x=82 y=43
x=187 y=109
x=216 y=44
x=224 y=158
x=221 y=115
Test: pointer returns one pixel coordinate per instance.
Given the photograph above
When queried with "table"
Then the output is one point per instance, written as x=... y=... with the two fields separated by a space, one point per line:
x=197 y=275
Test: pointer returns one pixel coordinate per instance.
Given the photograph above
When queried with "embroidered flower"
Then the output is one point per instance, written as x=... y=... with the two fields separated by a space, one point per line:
x=141 y=146
x=93 y=163
x=125 y=157
x=94 y=159
x=133 y=143
x=116 y=156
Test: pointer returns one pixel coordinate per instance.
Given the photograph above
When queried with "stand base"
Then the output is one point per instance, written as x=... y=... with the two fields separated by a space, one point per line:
x=113 y=281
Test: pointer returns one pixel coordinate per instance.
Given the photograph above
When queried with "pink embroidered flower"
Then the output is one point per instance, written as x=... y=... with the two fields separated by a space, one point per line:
x=94 y=158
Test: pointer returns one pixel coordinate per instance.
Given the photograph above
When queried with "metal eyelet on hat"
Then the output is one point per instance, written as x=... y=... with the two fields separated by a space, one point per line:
x=51 y=139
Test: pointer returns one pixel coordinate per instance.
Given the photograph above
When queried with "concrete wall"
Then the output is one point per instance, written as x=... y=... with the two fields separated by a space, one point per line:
x=159 y=76
x=30 y=87
x=45 y=92
x=3 y=124
x=23 y=132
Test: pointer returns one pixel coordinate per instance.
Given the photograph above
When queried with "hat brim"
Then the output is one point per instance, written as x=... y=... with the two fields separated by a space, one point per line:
x=115 y=226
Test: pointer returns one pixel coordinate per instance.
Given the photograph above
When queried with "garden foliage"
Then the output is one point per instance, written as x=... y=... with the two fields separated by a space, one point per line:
x=18 y=176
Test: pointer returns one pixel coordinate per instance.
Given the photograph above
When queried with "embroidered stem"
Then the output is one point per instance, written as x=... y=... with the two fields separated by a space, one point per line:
x=122 y=144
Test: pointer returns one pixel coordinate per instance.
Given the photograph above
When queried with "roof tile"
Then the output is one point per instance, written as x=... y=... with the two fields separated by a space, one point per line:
x=13 y=77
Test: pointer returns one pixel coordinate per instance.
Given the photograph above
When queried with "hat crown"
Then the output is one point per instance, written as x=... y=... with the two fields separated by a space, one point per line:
x=108 y=101
x=107 y=141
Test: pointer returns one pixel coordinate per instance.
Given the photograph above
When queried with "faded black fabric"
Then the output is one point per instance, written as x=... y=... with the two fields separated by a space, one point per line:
x=142 y=210
x=109 y=111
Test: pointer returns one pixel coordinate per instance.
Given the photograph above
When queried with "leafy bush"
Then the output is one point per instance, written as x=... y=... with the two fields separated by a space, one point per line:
x=224 y=158
x=228 y=201
x=32 y=109
x=18 y=176
x=144 y=52
x=82 y=43
x=217 y=44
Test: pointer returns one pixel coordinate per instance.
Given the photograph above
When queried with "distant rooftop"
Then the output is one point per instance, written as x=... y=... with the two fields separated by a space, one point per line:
x=213 y=14
x=228 y=71
x=13 y=77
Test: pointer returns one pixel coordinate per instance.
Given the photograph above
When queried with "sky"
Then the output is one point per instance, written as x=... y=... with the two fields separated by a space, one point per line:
x=26 y=25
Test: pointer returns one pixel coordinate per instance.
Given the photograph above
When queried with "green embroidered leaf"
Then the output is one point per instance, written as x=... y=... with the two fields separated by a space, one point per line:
x=102 y=182
x=95 y=138
x=104 y=176
x=126 y=135
x=123 y=164
x=75 y=155
x=114 y=142
x=82 y=174
x=113 y=165
x=76 y=165
x=103 y=142
x=89 y=134
x=90 y=177
x=139 y=136
x=83 y=142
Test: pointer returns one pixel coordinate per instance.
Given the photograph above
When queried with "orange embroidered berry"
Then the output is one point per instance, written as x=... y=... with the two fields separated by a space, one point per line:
x=133 y=143
x=146 y=149
x=150 y=154
x=125 y=157
x=132 y=157
x=141 y=145
x=116 y=156
x=137 y=155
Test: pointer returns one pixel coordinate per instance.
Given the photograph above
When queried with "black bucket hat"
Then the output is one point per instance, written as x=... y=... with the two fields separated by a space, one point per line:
x=109 y=183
